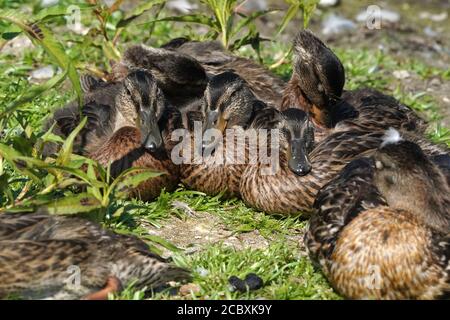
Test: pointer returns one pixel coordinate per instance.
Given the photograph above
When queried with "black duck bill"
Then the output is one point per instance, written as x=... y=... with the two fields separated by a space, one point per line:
x=298 y=132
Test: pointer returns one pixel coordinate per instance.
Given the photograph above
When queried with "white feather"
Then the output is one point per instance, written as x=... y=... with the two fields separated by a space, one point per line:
x=391 y=136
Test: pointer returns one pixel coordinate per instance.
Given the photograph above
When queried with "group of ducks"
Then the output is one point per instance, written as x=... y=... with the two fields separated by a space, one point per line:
x=356 y=162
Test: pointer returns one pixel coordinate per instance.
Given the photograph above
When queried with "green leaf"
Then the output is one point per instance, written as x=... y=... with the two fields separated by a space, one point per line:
x=249 y=19
x=78 y=203
x=32 y=93
x=290 y=14
x=131 y=179
x=166 y=244
x=57 y=11
x=13 y=157
x=40 y=35
x=138 y=11
x=193 y=18
x=66 y=149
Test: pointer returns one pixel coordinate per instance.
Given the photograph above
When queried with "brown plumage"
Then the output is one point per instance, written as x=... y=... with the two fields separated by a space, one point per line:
x=181 y=77
x=129 y=124
x=316 y=87
x=304 y=168
x=215 y=59
x=39 y=253
x=183 y=69
x=228 y=104
x=381 y=228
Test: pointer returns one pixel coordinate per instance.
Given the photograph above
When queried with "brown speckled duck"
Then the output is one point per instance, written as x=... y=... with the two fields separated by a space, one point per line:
x=228 y=103
x=128 y=125
x=316 y=86
x=39 y=254
x=183 y=69
x=381 y=228
x=305 y=167
x=215 y=59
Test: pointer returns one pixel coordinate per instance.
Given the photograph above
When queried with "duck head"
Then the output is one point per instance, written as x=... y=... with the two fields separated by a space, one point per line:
x=180 y=76
x=317 y=80
x=297 y=135
x=228 y=102
x=142 y=101
x=410 y=181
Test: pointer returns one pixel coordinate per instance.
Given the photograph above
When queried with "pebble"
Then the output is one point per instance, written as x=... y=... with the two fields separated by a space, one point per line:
x=334 y=24
x=384 y=14
x=328 y=3
x=17 y=45
x=42 y=73
x=202 y=272
x=49 y=3
x=190 y=288
x=430 y=32
x=401 y=74
x=183 y=6
x=434 y=17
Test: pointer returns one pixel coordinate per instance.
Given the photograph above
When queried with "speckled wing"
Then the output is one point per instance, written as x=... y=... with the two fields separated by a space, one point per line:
x=377 y=111
x=338 y=202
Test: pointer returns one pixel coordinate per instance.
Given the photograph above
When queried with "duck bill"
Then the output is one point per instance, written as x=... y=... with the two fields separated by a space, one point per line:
x=298 y=160
x=150 y=133
x=214 y=120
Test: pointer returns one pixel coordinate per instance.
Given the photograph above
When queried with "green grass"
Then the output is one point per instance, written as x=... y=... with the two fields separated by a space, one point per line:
x=283 y=265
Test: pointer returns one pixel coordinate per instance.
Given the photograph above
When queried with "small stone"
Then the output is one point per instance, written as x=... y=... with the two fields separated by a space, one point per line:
x=401 y=74
x=328 y=3
x=189 y=289
x=335 y=24
x=202 y=272
x=383 y=14
x=49 y=3
x=250 y=6
x=42 y=73
x=430 y=32
x=434 y=17
x=17 y=45
x=446 y=99
x=435 y=82
x=182 y=6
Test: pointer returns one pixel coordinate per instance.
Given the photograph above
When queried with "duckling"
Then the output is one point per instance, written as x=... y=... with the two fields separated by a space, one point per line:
x=62 y=264
x=128 y=125
x=215 y=59
x=181 y=78
x=381 y=228
x=316 y=86
x=228 y=104
x=183 y=68
x=304 y=166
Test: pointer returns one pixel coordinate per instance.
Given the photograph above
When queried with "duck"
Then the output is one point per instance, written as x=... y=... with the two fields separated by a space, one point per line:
x=215 y=59
x=129 y=124
x=181 y=77
x=228 y=107
x=65 y=257
x=381 y=228
x=317 y=87
x=183 y=69
x=305 y=166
